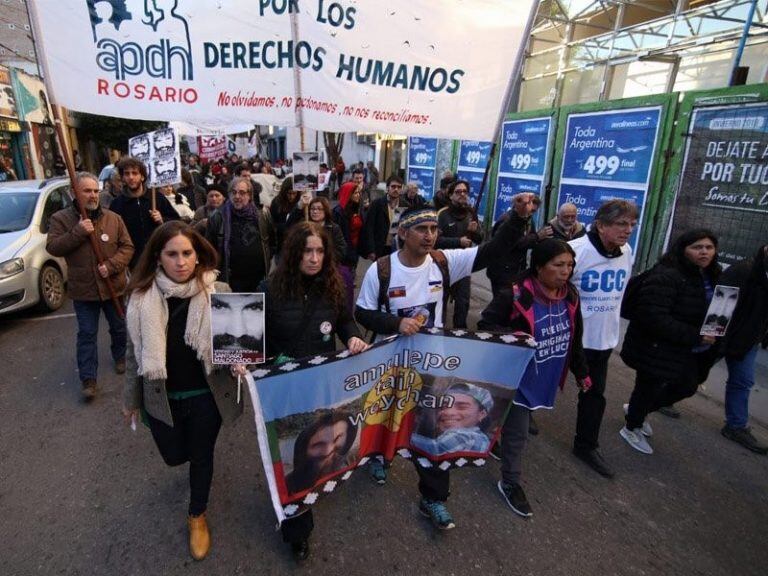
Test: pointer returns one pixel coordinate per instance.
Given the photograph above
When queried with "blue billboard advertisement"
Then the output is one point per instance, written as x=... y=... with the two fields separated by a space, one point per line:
x=422 y=160
x=609 y=155
x=473 y=158
x=523 y=155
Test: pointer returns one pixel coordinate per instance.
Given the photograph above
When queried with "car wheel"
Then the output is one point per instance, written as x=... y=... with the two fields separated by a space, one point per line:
x=51 y=289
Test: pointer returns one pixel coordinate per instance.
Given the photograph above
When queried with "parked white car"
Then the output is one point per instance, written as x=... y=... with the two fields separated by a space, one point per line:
x=29 y=275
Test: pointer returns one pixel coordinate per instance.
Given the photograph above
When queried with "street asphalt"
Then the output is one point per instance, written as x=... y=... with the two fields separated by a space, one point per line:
x=82 y=494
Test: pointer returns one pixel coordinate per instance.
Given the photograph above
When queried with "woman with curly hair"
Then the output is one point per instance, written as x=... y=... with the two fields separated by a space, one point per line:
x=305 y=305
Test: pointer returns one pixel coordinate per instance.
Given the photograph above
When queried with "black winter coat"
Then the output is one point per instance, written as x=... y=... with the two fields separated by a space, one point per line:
x=508 y=265
x=135 y=214
x=749 y=323
x=373 y=236
x=670 y=310
x=295 y=327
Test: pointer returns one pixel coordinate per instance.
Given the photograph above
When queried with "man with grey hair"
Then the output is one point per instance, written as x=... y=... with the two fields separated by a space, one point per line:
x=565 y=225
x=87 y=278
x=603 y=267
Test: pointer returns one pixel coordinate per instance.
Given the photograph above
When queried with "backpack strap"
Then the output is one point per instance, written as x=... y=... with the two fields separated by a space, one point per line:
x=384 y=272
x=438 y=257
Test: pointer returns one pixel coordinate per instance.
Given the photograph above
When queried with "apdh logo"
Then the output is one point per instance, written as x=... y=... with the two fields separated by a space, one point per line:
x=136 y=37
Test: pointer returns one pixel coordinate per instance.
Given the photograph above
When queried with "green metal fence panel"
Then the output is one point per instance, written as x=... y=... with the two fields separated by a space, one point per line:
x=718 y=173
x=523 y=161
x=614 y=149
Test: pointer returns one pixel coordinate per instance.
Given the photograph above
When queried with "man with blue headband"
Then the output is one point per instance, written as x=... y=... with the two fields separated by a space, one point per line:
x=407 y=290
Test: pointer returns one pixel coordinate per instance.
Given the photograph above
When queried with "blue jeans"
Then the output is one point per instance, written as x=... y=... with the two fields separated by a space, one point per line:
x=87 y=313
x=741 y=378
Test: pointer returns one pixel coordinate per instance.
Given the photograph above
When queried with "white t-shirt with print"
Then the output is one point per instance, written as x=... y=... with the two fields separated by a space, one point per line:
x=418 y=291
x=601 y=282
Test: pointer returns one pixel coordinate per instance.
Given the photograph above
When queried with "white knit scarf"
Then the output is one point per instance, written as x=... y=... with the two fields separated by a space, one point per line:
x=147 y=321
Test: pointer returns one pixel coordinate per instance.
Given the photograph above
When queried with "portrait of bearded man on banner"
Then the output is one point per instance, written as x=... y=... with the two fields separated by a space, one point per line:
x=322 y=448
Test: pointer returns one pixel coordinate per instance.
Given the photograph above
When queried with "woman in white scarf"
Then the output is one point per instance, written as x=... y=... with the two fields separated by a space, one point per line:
x=169 y=376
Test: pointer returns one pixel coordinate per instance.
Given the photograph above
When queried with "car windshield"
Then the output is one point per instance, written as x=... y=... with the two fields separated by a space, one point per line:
x=16 y=210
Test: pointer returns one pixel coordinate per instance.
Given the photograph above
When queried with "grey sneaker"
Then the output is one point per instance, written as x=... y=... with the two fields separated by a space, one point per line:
x=515 y=498
x=744 y=437
x=437 y=512
x=646 y=429
x=636 y=439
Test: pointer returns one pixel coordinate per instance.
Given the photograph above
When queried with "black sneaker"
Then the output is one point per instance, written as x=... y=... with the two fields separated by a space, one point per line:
x=515 y=497
x=533 y=428
x=300 y=550
x=744 y=437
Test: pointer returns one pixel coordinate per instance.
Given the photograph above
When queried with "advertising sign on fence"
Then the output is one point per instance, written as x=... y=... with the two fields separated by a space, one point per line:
x=523 y=154
x=473 y=158
x=422 y=162
x=609 y=155
x=724 y=180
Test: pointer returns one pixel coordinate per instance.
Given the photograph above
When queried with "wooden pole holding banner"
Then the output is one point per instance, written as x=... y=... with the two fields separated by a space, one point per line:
x=153 y=198
x=67 y=155
x=513 y=89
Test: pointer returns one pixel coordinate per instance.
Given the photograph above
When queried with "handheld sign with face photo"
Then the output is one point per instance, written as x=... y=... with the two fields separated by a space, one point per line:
x=160 y=151
x=720 y=310
x=306 y=167
x=237 y=328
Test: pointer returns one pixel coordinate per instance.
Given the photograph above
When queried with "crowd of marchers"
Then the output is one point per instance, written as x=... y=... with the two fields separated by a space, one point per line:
x=235 y=226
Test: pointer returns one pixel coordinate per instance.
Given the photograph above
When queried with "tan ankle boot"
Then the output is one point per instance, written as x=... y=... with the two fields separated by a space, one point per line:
x=199 y=537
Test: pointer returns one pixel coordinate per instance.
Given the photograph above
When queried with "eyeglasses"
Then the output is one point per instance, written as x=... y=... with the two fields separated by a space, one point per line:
x=396 y=186
x=624 y=224
x=461 y=192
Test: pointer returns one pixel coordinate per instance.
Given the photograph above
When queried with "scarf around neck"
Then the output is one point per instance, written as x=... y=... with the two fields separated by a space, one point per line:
x=249 y=212
x=147 y=321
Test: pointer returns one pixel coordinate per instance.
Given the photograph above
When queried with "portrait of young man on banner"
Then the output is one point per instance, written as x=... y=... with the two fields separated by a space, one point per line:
x=464 y=420
x=237 y=328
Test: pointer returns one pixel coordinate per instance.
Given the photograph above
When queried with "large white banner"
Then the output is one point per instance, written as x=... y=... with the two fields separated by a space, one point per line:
x=415 y=67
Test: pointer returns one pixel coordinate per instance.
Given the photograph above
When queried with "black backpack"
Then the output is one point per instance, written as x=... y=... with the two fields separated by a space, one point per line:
x=632 y=293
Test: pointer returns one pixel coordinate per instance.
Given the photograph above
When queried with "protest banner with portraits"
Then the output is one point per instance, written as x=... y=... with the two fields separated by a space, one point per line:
x=437 y=396
x=160 y=152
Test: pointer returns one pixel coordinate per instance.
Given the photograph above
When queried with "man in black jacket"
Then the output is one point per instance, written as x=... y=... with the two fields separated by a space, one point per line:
x=502 y=270
x=380 y=226
x=747 y=329
x=458 y=227
x=134 y=205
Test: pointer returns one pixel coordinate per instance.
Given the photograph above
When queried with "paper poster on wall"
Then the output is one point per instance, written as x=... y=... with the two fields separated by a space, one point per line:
x=159 y=150
x=609 y=155
x=422 y=161
x=724 y=179
x=473 y=158
x=523 y=154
